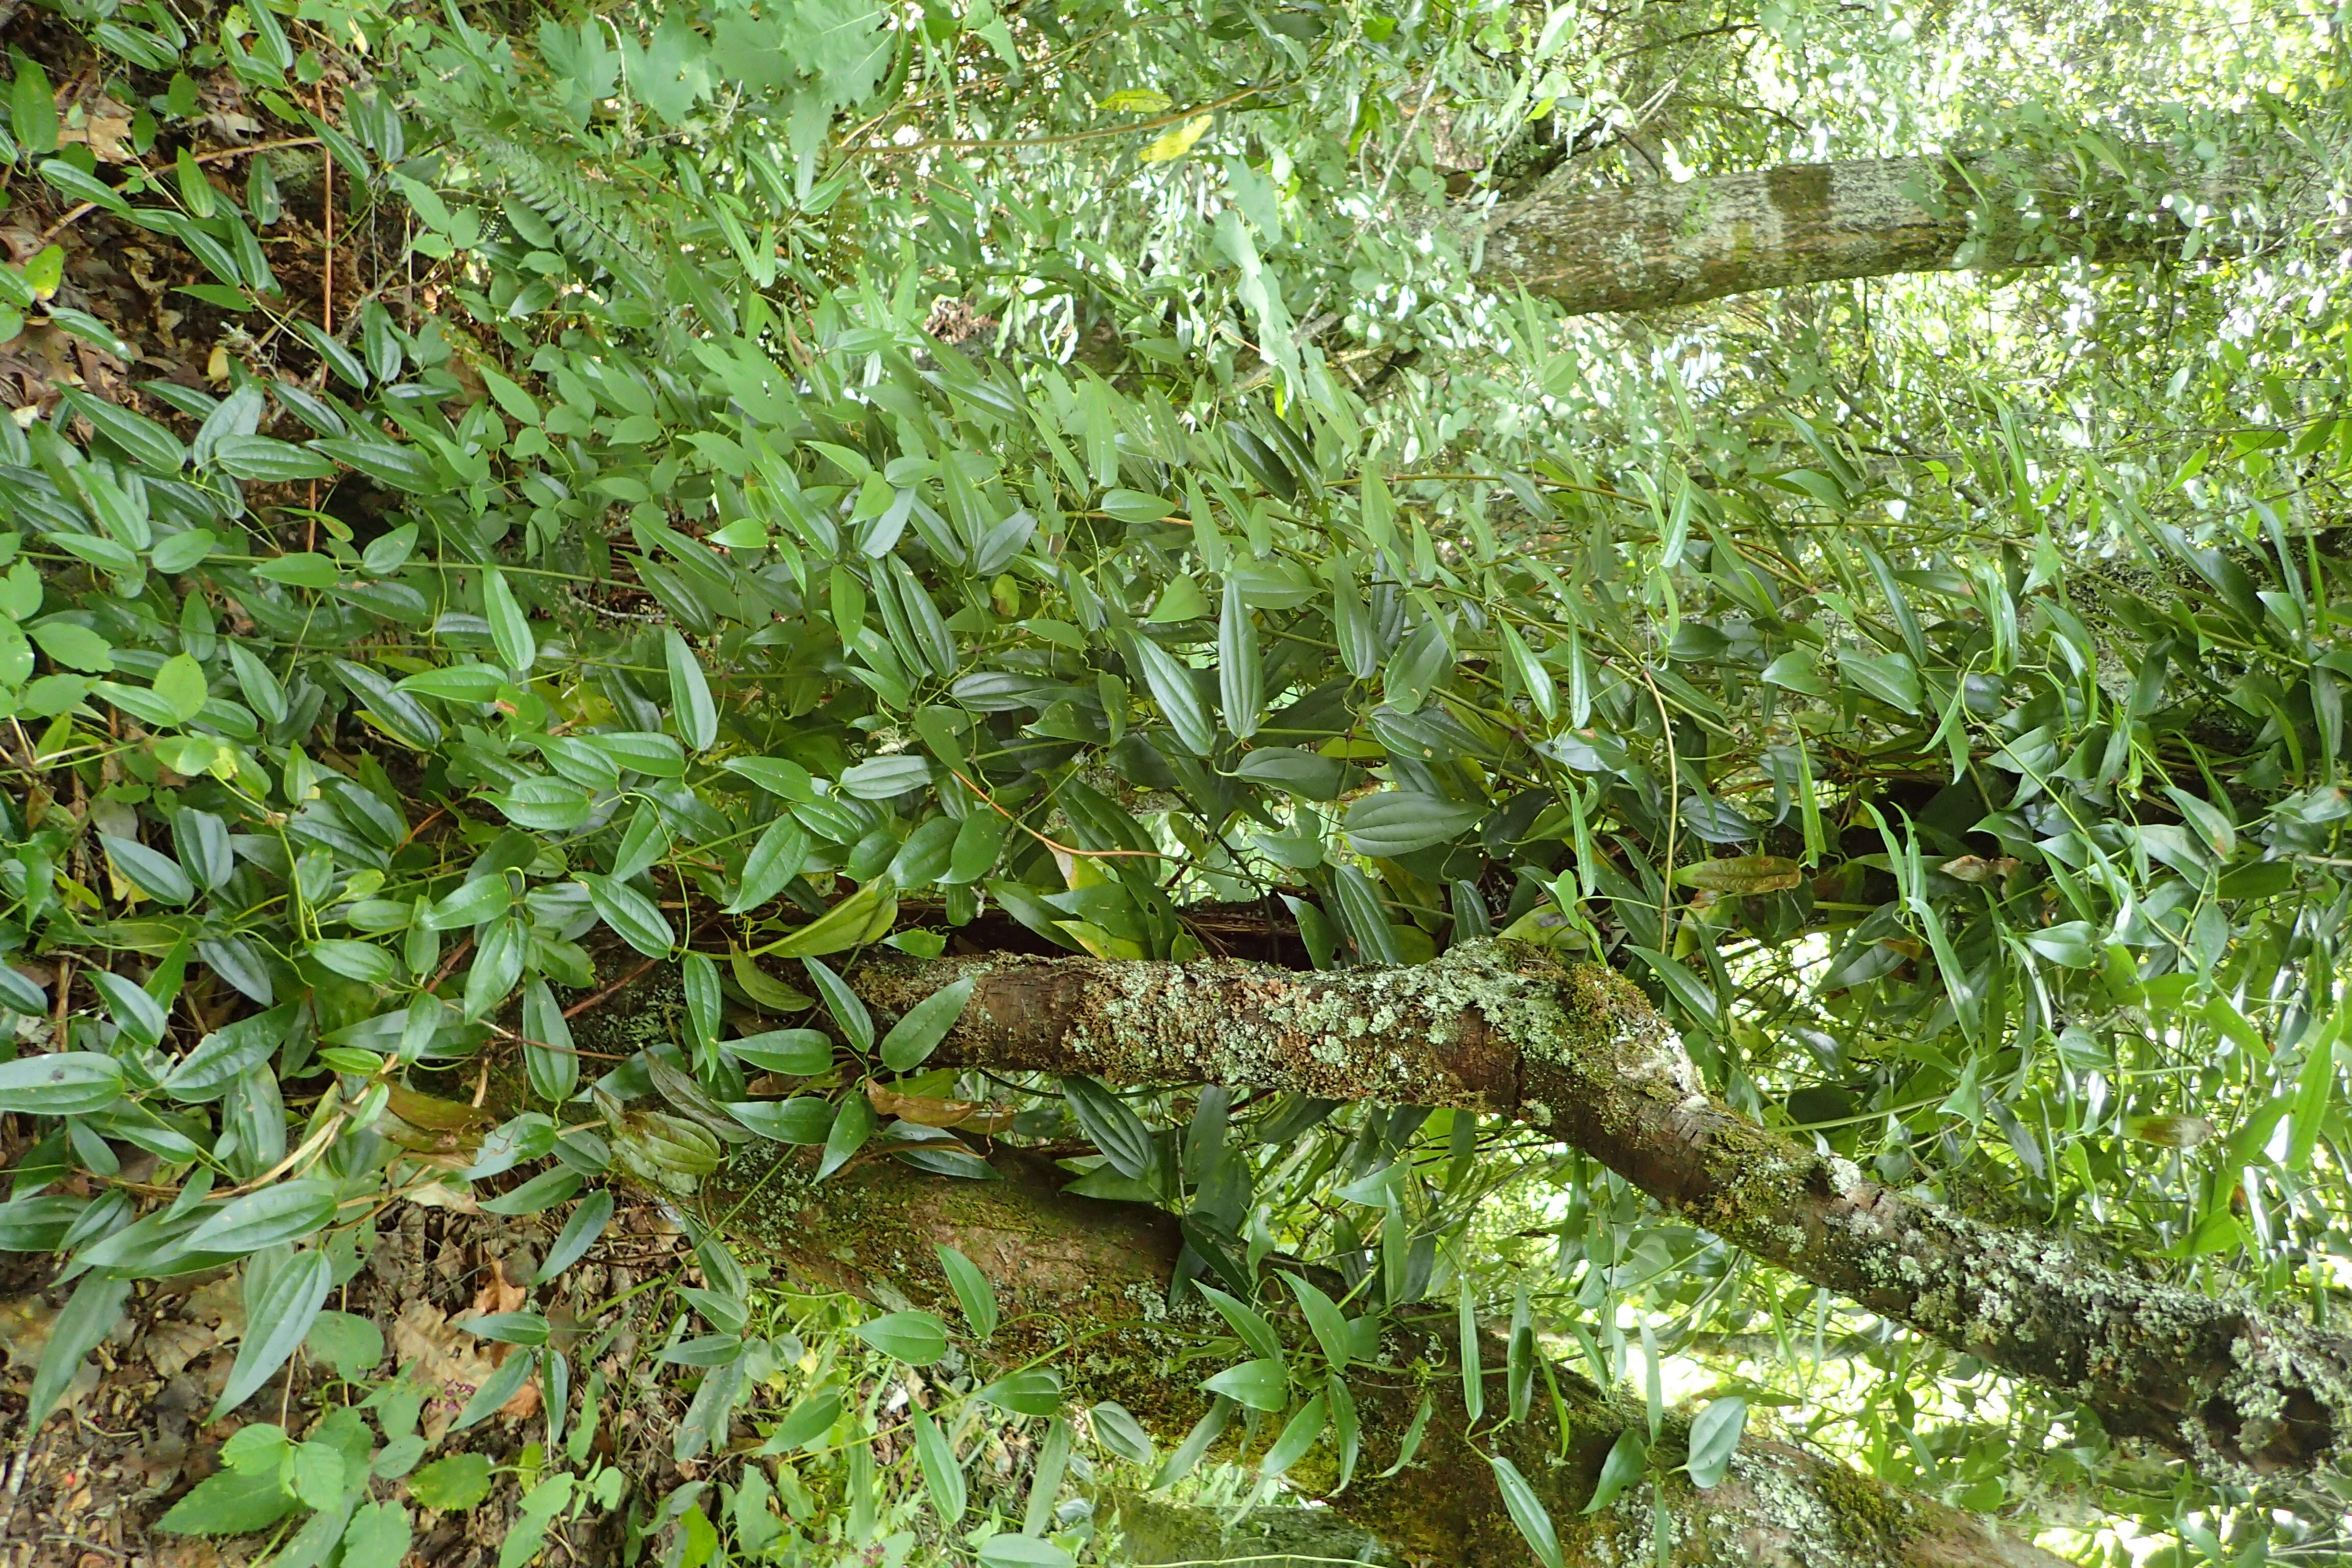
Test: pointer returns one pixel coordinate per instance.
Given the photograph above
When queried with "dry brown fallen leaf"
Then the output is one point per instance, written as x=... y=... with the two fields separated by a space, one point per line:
x=446 y=1361
x=449 y=1359
x=107 y=137
x=24 y=1324
x=221 y=1304
x=172 y=1346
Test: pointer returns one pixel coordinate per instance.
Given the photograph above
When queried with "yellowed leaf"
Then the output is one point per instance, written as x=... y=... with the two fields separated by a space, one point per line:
x=434 y=1114
x=1098 y=942
x=1742 y=874
x=1179 y=141
x=440 y=1195
x=1135 y=101
x=2170 y=1131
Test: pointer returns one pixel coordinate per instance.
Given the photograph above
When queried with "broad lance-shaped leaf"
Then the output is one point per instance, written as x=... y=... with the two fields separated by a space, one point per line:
x=942 y=1474
x=1534 y=678
x=852 y=1124
x=689 y=694
x=1527 y=1511
x=285 y=1211
x=1298 y=1434
x=1474 y=1376
x=972 y=1291
x=863 y=917
x=1398 y=822
x=804 y=1119
x=1261 y=1384
x=1628 y=1457
x=917 y=1339
x=848 y=1009
x=633 y=917
x=548 y=1058
x=509 y=631
x=1324 y=1318
x=913 y=1037
x=774 y=860
x=282 y=1294
x=1247 y=1322
x=1714 y=1434
x=798 y=1053
x=580 y=1232
x=1115 y=1129
x=1239 y=686
x=88 y=1317
x=63 y=1083
x=156 y=875
x=1171 y=687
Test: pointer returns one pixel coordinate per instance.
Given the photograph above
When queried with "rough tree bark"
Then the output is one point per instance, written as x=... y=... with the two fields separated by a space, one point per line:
x=1639 y=247
x=1091 y=1280
x=1579 y=1053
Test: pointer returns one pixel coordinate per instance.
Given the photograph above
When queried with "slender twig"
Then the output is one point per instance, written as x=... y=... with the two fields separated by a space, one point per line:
x=435 y=814
x=520 y=1038
x=449 y=964
x=327 y=218
x=312 y=1146
x=609 y=992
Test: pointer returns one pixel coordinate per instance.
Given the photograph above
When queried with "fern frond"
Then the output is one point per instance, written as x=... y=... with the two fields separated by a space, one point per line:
x=592 y=225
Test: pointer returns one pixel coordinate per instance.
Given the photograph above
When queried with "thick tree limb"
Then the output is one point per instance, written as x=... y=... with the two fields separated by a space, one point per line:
x=1639 y=247
x=1579 y=1053
x=1087 y=1283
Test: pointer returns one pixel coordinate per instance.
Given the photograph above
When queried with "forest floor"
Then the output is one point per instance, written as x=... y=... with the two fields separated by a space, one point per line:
x=131 y=1436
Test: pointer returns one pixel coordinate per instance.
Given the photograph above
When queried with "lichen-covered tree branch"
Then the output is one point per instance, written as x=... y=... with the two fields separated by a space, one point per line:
x=1579 y=1052
x=1657 y=243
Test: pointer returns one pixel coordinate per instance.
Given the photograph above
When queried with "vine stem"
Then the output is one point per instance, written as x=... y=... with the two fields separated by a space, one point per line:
x=1050 y=844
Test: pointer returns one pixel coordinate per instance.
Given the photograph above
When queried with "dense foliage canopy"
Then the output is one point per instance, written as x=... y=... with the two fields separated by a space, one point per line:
x=545 y=551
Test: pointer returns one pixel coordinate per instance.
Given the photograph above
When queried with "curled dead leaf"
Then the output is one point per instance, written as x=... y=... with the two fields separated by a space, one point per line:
x=431 y=1113
x=2170 y=1131
x=928 y=1110
x=172 y=1346
x=1742 y=874
x=446 y=1361
x=1978 y=869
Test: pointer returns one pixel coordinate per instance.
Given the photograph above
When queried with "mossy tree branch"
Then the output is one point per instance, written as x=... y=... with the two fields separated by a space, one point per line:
x=1086 y=1284
x=1579 y=1053
x=1658 y=243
